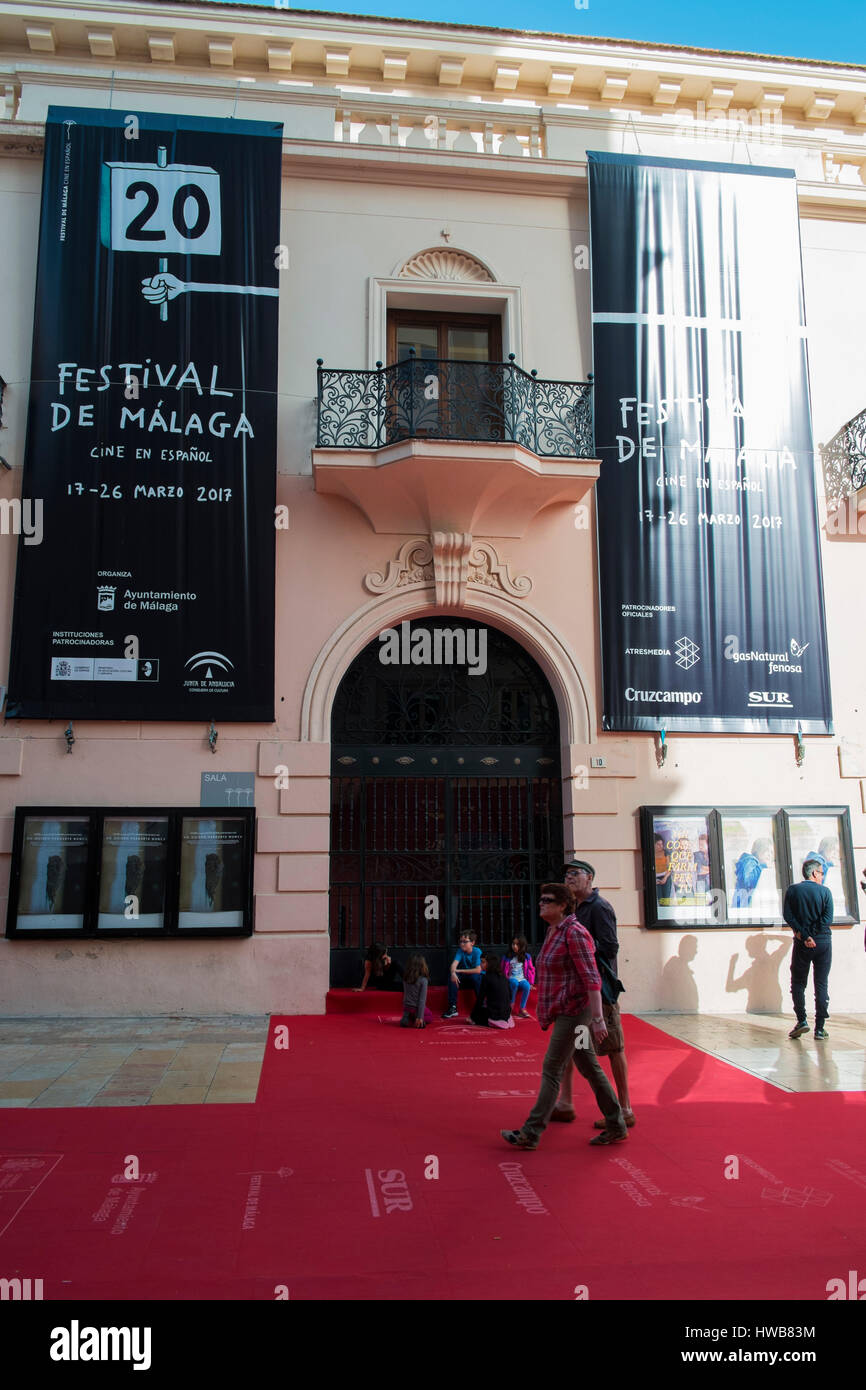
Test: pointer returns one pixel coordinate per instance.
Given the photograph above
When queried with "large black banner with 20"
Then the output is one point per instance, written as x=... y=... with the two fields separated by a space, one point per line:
x=712 y=611
x=151 y=442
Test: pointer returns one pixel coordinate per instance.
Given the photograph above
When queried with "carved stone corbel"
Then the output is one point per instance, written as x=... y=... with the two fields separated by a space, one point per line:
x=451 y=567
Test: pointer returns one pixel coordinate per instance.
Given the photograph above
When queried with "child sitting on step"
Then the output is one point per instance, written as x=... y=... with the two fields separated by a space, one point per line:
x=416 y=978
x=520 y=973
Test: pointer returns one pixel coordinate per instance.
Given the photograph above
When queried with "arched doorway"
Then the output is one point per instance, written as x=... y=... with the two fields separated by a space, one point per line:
x=446 y=805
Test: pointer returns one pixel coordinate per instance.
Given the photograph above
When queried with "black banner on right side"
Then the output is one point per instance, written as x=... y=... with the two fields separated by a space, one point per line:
x=712 y=604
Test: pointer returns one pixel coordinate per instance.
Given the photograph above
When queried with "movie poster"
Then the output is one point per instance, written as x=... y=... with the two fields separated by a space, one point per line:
x=52 y=885
x=821 y=836
x=133 y=873
x=213 y=890
x=754 y=878
x=681 y=859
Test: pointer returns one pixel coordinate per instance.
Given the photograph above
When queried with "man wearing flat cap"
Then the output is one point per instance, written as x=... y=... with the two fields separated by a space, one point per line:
x=596 y=914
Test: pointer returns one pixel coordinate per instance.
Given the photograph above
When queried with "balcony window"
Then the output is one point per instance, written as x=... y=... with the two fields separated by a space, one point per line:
x=448 y=337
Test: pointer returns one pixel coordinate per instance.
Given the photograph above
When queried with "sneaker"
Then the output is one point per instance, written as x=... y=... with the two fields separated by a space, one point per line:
x=608 y=1136
x=821 y=1035
x=518 y=1139
x=524 y=1014
x=450 y=1013
x=627 y=1115
x=798 y=1032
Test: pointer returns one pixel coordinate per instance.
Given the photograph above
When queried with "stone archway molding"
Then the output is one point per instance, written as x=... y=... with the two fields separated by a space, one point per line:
x=539 y=640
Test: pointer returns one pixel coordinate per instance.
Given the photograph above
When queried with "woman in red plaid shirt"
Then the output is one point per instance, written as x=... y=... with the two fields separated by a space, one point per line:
x=569 y=998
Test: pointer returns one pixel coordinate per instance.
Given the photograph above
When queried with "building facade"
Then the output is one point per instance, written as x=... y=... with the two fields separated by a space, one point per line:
x=434 y=209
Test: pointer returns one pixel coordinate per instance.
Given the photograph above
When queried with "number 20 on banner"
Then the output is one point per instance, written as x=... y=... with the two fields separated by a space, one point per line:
x=163 y=208
x=170 y=209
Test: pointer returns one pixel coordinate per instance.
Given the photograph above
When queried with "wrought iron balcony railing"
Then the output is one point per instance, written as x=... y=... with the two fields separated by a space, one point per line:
x=845 y=462
x=438 y=398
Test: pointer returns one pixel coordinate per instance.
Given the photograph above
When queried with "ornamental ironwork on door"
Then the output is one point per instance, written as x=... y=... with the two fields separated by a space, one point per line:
x=446 y=801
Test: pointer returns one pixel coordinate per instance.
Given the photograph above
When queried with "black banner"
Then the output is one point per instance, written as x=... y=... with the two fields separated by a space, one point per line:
x=712 y=611
x=146 y=590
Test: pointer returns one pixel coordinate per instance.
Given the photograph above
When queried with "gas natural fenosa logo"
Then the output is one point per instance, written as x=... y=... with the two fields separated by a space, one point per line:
x=775 y=662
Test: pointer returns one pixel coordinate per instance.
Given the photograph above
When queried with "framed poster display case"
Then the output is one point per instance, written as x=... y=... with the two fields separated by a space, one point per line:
x=730 y=866
x=131 y=872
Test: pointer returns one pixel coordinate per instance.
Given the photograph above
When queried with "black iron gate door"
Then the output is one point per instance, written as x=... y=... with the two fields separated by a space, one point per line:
x=450 y=816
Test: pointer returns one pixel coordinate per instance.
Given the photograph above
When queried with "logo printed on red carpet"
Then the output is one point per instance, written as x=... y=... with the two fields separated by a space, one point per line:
x=525 y=1195
x=503 y=1095
x=20 y=1176
x=393 y=1189
x=254 y=1192
x=780 y=1194
x=115 y=1205
x=500 y=1073
x=642 y=1198
x=847 y=1171
x=493 y=1057
x=796 y=1196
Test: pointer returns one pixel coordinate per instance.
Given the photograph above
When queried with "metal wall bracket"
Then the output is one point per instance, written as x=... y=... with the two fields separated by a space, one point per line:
x=661 y=748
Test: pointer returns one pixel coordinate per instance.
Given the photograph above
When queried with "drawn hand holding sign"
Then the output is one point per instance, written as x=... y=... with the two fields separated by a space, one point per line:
x=167 y=208
x=157 y=289
x=160 y=288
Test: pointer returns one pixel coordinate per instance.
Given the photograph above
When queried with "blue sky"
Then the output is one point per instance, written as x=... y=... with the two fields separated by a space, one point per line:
x=834 y=30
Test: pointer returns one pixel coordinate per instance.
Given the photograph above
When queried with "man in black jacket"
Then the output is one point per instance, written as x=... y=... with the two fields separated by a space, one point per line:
x=596 y=914
x=808 y=910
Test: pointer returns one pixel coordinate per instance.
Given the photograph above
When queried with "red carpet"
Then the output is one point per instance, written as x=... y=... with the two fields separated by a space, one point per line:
x=322 y=1186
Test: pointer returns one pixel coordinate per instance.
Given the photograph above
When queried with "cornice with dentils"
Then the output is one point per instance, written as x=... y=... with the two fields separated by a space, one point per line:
x=460 y=61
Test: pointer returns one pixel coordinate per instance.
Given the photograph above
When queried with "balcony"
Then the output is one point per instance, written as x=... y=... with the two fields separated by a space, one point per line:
x=492 y=402
x=433 y=446
x=844 y=461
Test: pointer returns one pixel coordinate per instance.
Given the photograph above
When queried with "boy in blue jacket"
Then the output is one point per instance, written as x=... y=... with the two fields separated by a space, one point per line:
x=465 y=970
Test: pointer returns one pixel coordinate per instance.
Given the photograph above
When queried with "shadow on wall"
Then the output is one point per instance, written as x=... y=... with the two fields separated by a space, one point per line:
x=761 y=978
x=679 y=990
